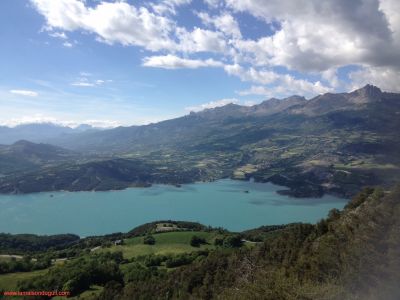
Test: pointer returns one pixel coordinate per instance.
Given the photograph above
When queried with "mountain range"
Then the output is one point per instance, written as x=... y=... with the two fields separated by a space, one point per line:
x=333 y=143
x=39 y=132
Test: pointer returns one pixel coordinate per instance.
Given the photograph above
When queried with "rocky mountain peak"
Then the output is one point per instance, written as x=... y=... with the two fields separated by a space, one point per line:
x=367 y=93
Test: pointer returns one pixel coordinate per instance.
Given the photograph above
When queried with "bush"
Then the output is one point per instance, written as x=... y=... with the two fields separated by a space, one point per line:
x=149 y=240
x=178 y=260
x=137 y=272
x=197 y=241
x=154 y=260
x=233 y=241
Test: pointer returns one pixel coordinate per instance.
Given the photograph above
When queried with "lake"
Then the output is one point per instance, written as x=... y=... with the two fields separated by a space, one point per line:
x=223 y=203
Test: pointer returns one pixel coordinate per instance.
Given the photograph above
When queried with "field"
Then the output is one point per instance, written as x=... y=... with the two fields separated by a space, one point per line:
x=9 y=281
x=166 y=243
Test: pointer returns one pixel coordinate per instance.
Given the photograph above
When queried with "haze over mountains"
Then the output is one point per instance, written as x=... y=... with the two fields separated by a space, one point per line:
x=38 y=132
x=333 y=143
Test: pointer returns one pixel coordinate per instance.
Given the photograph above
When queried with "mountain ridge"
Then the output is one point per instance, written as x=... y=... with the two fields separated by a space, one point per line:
x=333 y=143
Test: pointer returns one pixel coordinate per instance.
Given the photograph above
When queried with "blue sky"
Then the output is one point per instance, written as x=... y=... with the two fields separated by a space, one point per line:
x=133 y=62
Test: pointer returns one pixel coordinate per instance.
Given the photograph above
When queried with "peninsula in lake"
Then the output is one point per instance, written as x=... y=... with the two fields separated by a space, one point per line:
x=333 y=143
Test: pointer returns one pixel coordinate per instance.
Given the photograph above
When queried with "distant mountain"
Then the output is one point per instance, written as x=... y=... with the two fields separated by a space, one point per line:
x=273 y=105
x=24 y=155
x=265 y=108
x=292 y=113
x=335 y=143
x=38 y=132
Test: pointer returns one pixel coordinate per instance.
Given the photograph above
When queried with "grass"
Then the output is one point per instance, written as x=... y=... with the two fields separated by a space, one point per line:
x=9 y=282
x=166 y=243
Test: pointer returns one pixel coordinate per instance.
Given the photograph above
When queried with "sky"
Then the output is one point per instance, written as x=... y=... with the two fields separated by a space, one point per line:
x=110 y=63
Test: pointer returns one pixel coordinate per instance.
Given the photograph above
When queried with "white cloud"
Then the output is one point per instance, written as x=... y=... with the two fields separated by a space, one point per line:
x=213 y=3
x=174 y=62
x=169 y=6
x=316 y=36
x=251 y=74
x=284 y=84
x=309 y=37
x=85 y=82
x=287 y=85
x=225 y=23
x=68 y=44
x=59 y=35
x=200 y=40
x=113 y=22
x=385 y=78
x=25 y=93
x=331 y=77
x=212 y=104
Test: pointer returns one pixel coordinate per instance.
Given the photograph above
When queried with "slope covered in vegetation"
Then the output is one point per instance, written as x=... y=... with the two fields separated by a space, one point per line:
x=352 y=254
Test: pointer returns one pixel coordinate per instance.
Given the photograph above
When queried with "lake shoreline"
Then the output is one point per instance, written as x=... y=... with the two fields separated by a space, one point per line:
x=232 y=204
x=290 y=190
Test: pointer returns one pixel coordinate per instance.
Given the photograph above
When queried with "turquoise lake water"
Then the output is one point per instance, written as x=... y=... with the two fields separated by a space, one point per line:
x=221 y=203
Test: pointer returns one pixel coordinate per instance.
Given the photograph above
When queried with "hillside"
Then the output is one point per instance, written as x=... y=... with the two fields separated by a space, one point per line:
x=24 y=155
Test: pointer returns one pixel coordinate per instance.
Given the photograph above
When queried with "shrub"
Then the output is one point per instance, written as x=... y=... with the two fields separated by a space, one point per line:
x=197 y=241
x=149 y=240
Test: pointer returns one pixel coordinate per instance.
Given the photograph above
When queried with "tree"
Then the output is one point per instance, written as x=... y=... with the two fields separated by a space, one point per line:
x=233 y=241
x=149 y=240
x=197 y=241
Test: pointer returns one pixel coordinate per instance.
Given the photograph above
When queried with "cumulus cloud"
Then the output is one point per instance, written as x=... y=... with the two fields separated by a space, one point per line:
x=284 y=84
x=387 y=79
x=316 y=36
x=225 y=23
x=212 y=104
x=200 y=40
x=251 y=74
x=287 y=85
x=169 y=6
x=213 y=3
x=112 y=22
x=24 y=93
x=174 y=62
x=310 y=38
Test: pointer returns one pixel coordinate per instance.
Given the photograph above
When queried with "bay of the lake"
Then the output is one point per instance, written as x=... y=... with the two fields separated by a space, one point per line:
x=234 y=205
